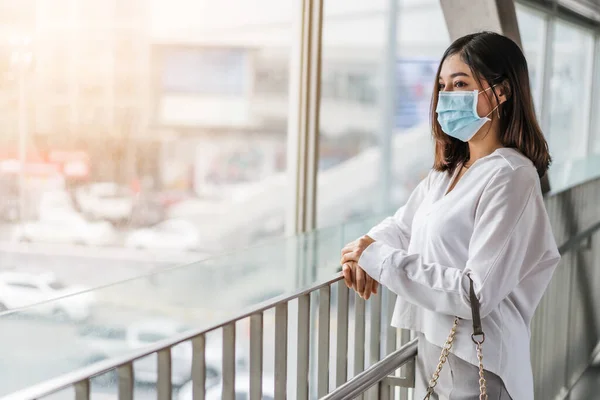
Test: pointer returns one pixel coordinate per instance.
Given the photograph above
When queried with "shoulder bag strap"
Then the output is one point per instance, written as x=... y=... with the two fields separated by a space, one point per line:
x=477 y=332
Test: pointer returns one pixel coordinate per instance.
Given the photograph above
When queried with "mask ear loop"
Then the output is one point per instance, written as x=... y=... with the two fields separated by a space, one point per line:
x=498 y=111
x=495 y=108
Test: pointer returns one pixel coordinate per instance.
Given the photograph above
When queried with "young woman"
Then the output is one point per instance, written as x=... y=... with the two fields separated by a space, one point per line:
x=474 y=234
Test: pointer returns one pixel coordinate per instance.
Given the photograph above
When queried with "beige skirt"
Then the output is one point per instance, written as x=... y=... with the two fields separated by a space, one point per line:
x=459 y=380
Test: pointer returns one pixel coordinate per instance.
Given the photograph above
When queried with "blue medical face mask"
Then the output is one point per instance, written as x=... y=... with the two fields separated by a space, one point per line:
x=457 y=113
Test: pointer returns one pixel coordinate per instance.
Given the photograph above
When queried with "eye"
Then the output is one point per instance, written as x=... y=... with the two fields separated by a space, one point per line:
x=460 y=84
x=441 y=86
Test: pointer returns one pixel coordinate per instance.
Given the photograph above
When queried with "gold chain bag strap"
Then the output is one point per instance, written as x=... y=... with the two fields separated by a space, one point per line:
x=477 y=332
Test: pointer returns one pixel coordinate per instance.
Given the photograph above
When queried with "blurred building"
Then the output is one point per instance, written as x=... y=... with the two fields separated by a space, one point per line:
x=222 y=76
x=86 y=86
x=195 y=93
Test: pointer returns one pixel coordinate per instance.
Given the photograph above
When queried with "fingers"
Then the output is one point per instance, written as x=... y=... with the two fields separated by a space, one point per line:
x=348 y=248
x=353 y=250
x=357 y=279
x=353 y=256
x=368 y=287
x=347 y=272
x=361 y=280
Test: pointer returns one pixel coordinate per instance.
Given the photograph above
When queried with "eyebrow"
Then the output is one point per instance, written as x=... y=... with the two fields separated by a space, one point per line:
x=454 y=75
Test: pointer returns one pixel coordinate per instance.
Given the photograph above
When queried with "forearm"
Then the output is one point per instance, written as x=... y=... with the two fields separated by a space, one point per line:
x=433 y=286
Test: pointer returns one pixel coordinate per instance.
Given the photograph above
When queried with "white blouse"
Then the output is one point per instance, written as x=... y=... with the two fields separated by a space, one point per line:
x=493 y=227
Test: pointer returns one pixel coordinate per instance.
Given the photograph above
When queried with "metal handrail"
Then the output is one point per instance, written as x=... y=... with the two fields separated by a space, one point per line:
x=376 y=373
x=66 y=380
x=576 y=239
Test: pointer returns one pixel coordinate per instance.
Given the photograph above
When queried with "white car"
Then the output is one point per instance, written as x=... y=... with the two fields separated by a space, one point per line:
x=22 y=289
x=55 y=202
x=172 y=234
x=105 y=201
x=66 y=227
x=105 y=342
x=242 y=389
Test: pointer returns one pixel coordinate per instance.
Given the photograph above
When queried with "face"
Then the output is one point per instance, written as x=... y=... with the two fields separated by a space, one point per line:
x=455 y=75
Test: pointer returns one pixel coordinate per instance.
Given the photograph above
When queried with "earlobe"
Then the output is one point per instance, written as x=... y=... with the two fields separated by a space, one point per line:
x=503 y=92
x=500 y=94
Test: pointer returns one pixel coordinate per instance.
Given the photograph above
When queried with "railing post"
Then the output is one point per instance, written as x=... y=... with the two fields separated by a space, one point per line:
x=341 y=367
x=359 y=336
x=164 y=386
x=125 y=373
x=256 y=356
x=199 y=367
x=323 y=345
x=303 y=347
x=228 y=392
x=385 y=390
x=82 y=390
x=375 y=340
x=281 y=341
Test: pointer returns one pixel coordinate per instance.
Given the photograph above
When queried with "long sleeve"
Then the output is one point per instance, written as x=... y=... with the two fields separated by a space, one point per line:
x=511 y=238
x=395 y=230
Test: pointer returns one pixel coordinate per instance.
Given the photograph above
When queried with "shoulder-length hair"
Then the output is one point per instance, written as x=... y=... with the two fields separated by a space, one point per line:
x=499 y=61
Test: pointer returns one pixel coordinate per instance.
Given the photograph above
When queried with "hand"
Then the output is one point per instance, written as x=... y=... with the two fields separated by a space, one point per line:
x=356 y=278
x=353 y=250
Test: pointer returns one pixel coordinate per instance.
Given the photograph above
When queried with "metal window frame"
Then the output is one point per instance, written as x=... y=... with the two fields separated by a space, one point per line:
x=547 y=71
x=588 y=117
x=303 y=118
x=555 y=12
x=562 y=12
x=593 y=143
x=538 y=95
x=589 y=77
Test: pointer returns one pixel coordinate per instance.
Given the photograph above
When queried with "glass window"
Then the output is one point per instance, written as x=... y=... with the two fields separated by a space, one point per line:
x=354 y=92
x=595 y=134
x=570 y=91
x=199 y=131
x=532 y=26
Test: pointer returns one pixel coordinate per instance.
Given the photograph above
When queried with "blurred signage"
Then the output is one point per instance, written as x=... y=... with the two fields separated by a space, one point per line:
x=414 y=86
x=207 y=87
x=72 y=164
x=205 y=71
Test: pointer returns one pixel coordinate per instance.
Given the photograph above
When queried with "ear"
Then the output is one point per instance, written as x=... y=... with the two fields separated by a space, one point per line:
x=503 y=91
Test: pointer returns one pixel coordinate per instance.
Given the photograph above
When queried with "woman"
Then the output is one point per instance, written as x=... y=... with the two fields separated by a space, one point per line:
x=477 y=220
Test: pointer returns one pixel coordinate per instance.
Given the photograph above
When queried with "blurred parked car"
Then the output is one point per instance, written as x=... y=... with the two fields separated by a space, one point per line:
x=172 y=234
x=66 y=227
x=105 y=201
x=106 y=342
x=9 y=208
x=55 y=202
x=147 y=211
x=21 y=289
x=9 y=203
x=242 y=389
